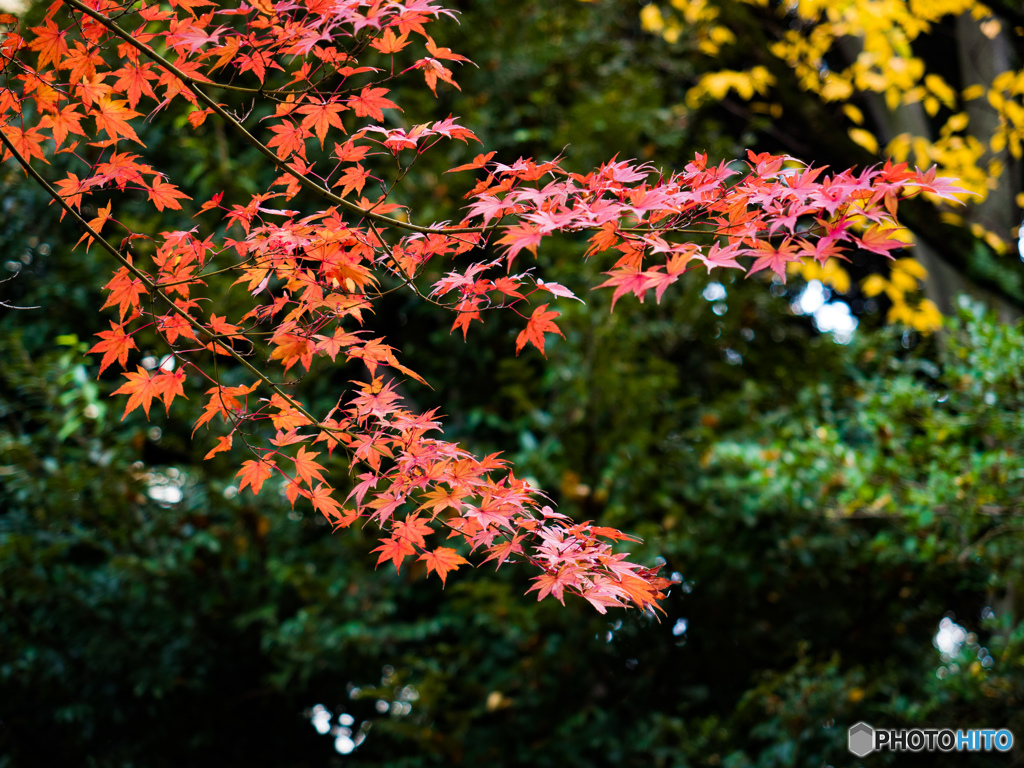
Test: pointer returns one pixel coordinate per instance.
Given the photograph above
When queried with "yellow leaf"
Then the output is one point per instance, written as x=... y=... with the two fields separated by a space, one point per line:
x=973 y=92
x=899 y=313
x=956 y=123
x=911 y=267
x=864 y=139
x=650 y=18
x=902 y=281
x=835 y=276
x=927 y=318
x=873 y=285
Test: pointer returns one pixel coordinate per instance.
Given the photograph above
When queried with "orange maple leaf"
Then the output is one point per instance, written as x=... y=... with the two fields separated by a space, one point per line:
x=388 y=43
x=253 y=473
x=353 y=178
x=115 y=346
x=413 y=530
x=166 y=195
x=28 y=143
x=142 y=387
x=306 y=468
x=71 y=190
x=134 y=82
x=50 y=43
x=290 y=139
x=324 y=503
x=442 y=560
x=170 y=385
x=321 y=117
x=540 y=323
x=124 y=289
x=478 y=162
x=370 y=102
x=266 y=7
x=112 y=117
x=395 y=550
x=66 y=121
x=440 y=499
x=223 y=444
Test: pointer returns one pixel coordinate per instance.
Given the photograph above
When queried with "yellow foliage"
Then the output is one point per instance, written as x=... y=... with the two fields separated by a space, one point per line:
x=903 y=282
x=873 y=285
x=927 y=318
x=912 y=267
x=831 y=274
x=715 y=85
x=865 y=139
x=854 y=113
x=651 y=18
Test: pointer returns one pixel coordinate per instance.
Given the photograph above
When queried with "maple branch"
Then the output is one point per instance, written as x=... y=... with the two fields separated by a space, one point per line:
x=304 y=181
x=153 y=287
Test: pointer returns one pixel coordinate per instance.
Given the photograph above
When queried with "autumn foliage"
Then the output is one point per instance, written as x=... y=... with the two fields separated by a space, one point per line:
x=81 y=82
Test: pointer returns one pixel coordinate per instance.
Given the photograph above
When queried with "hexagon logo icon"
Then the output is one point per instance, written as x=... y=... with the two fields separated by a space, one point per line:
x=861 y=739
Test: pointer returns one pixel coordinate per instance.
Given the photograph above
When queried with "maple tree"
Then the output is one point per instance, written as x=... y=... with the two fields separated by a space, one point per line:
x=312 y=276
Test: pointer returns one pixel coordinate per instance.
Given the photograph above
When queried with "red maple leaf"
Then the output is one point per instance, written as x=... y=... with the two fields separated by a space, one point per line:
x=629 y=280
x=413 y=529
x=554 y=583
x=520 y=236
x=944 y=187
x=877 y=240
